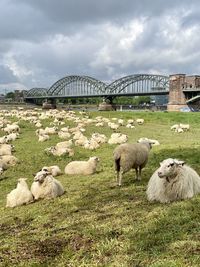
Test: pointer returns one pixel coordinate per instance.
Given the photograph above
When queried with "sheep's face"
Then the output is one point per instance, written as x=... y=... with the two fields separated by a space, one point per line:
x=40 y=176
x=169 y=167
x=96 y=159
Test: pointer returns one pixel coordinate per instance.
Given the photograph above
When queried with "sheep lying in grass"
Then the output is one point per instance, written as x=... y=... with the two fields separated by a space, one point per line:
x=82 y=167
x=153 y=142
x=46 y=186
x=54 y=170
x=8 y=160
x=6 y=149
x=174 y=180
x=117 y=138
x=59 y=151
x=20 y=195
x=130 y=156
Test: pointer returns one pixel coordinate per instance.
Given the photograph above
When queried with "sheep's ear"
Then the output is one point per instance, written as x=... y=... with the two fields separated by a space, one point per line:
x=179 y=162
x=33 y=175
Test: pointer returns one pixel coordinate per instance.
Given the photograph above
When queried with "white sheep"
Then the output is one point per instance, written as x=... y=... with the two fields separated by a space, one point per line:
x=153 y=142
x=8 y=160
x=117 y=138
x=6 y=149
x=54 y=170
x=43 y=138
x=82 y=167
x=173 y=180
x=130 y=156
x=140 y=121
x=185 y=127
x=11 y=128
x=46 y=186
x=59 y=151
x=20 y=195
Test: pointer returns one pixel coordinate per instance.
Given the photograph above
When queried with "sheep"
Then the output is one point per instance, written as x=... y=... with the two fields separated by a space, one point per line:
x=64 y=135
x=174 y=127
x=179 y=130
x=64 y=144
x=20 y=195
x=46 y=186
x=185 y=127
x=3 y=139
x=11 y=137
x=10 y=128
x=140 y=121
x=117 y=138
x=43 y=138
x=82 y=167
x=152 y=141
x=59 y=151
x=54 y=170
x=128 y=156
x=8 y=160
x=173 y=180
x=5 y=151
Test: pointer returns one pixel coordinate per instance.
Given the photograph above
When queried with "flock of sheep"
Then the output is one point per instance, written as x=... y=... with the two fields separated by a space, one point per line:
x=173 y=180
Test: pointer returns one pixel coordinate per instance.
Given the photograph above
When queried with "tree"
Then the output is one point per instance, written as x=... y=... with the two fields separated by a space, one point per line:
x=10 y=95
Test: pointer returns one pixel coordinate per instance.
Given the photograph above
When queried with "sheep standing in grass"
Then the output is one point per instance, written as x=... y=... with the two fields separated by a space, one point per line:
x=131 y=156
x=20 y=195
x=174 y=180
x=46 y=186
x=82 y=167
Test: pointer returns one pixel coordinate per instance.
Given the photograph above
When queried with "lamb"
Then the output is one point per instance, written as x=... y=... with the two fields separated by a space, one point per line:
x=46 y=186
x=54 y=170
x=128 y=156
x=173 y=180
x=82 y=167
x=20 y=195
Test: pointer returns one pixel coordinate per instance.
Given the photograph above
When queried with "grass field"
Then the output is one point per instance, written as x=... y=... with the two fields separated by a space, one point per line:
x=96 y=223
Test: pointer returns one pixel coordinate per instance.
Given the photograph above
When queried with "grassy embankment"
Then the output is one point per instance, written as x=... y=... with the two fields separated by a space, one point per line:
x=95 y=223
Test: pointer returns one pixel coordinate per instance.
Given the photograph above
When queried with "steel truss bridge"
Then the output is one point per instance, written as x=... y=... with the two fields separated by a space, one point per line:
x=85 y=86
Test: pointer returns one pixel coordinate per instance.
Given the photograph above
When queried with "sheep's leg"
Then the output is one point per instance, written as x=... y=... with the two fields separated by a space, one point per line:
x=120 y=178
x=117 y=177
x=138 y=174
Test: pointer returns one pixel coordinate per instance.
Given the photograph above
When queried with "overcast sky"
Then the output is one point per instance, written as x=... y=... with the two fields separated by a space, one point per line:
x=42 y=41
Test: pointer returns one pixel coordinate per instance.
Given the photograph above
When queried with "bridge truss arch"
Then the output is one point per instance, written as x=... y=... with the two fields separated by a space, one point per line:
x=75 y=85
x=139 y=84
x=34 y=92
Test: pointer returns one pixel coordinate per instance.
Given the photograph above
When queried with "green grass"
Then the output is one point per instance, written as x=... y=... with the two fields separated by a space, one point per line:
x=95 y=223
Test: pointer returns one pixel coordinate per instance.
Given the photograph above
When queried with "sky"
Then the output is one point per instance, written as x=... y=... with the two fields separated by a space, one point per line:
x=42 y=41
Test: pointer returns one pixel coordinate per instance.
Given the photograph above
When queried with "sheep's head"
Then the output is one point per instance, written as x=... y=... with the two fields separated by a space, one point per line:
x=45 y=168
x=41 y=175
x=22 y=182
x=168 y=167
x=95 y=159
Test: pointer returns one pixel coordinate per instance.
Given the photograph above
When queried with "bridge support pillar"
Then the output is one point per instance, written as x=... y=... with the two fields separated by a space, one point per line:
x=177 y=98
x=106 y=104
x=49 y=104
